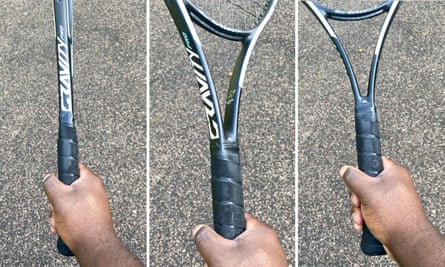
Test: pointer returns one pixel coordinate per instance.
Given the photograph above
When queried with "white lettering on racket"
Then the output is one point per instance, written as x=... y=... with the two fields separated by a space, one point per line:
x=64 y=76
x=205 y=93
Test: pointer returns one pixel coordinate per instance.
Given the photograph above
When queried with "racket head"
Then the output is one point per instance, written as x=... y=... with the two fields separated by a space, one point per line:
x=352 y=9
x=233 y=20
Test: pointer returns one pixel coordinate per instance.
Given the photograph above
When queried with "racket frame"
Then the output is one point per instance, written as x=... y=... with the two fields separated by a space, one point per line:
x=228 y=203
x=367 y=129
x=67 y=148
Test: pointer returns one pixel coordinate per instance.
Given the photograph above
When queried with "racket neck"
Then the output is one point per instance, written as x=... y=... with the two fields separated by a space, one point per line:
x=236 y=85
x=63 y=25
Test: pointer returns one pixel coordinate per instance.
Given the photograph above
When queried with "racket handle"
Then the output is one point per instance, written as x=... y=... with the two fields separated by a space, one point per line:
x=369 y=158
x=227 y=194
x=68 y=167
x=68 y=164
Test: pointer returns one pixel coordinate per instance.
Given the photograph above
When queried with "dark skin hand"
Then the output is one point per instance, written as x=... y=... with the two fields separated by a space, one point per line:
x=393 y=212
x=80 y=215
x=257 y=246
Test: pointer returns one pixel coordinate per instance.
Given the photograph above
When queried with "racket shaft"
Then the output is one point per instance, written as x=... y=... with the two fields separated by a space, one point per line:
x=227 y=193
x=369 y=158
x=67 y=159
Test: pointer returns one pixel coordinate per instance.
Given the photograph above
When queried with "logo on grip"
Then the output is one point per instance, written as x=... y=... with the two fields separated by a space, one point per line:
x=64 y=76
x=205 y=93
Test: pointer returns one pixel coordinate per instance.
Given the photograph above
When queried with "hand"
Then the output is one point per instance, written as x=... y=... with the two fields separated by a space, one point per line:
x=393 y=212
x=81 y=215
x=386 y=202
x=80 y=212
x=257 y=246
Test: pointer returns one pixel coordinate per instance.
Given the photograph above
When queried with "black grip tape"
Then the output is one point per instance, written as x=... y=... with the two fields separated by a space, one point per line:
x=369 y=157
x=68 y=168
x=68 y=164
x=227 y=193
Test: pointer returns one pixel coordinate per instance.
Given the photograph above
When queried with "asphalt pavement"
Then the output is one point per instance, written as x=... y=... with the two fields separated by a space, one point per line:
x=410 y=101
x=110 y=62
x=110 y=109
x=180 y=195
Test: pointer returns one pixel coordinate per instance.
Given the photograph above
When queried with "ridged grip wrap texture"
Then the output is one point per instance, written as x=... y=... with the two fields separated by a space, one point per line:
x=68 y=167
x=369 y=158
x=67 y=155
x=227 y=193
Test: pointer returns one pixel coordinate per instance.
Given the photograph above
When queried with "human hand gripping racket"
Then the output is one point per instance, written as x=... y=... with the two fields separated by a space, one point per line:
x=68 y=168
x=240 y=21
x=366 y=124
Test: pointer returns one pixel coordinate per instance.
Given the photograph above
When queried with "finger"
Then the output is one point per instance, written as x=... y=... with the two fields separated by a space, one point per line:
x=52 y=226
x=355 y=200
x=87 y=178
x=53 y=187
x=357 y=181
x=356 y=213
x=208 y=242
x=357 y=216
x=84 y=170
x=251 y=221
x=343 y=170
x=84 y=174
x=358 y=227
x=46 y=177
x=52 y=222
x=387 y=163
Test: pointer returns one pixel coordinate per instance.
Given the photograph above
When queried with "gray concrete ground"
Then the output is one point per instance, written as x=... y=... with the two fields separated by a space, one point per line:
x=410 y=99
x=180 y=196
x=110 y=101
x=110 y=97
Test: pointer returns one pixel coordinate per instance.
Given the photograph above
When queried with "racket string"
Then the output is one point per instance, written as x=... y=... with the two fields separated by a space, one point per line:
x=236 y=14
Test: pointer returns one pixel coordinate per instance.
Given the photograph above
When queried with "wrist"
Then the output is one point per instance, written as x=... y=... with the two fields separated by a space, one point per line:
x=97 y=247
x=109 y=251
x=419 y=245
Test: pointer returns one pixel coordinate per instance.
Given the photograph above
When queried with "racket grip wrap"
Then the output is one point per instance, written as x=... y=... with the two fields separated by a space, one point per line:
x=369 y=157
x=67 y=155
x=228 y=203
x=369 y=153
x=68 y=168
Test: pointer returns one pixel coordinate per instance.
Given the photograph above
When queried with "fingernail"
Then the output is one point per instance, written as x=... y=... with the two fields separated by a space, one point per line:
x=46 y=177
x=196 y=229
x=343 y=170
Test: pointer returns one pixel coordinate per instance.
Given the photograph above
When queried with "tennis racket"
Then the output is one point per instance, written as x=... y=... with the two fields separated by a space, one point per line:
x=366 y=124
x=68 y=168
x=240 y=21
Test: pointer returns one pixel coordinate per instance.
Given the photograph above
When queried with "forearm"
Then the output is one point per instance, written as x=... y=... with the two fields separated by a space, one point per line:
x=110 y=252
x=423 y=246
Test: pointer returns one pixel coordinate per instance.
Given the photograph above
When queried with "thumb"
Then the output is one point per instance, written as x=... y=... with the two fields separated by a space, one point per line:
x=208 y=242
x=53 y=187
x=357 y=181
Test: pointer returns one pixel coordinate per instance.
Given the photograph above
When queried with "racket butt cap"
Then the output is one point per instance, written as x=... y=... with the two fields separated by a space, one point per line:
x=370 y=245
